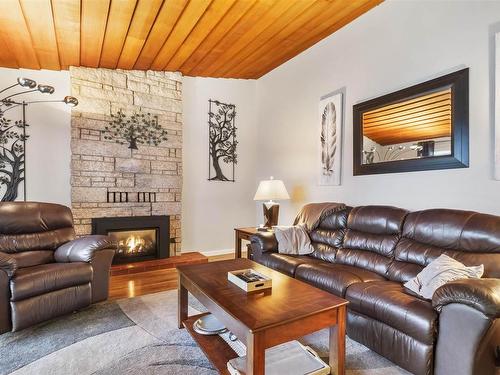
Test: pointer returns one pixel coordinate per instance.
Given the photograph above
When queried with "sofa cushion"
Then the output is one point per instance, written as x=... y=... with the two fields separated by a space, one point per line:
x=389 y=303
x=37 y=280
x=27 y=226
x=329 y=234
x=469 y=237
x=33 y=258
x=334 y=278
x=371 y=237
x=283 y=262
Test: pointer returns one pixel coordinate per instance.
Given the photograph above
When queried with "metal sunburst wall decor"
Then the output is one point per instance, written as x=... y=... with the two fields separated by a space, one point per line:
x=222 y=141
x=139 y=128
x=13 y=135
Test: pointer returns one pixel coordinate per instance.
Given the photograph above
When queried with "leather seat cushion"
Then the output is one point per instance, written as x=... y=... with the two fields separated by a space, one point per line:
x=334 y=278
x=34 y=281
x=284 y=263
x=387 y=302
x=33 y=258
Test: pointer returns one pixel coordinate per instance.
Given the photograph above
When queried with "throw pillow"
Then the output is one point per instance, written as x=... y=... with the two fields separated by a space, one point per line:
x=440 y=271
x=293 y=240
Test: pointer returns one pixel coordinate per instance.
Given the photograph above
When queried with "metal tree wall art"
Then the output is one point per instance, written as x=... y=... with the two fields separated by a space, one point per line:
x=12 y=145
x=222 y=141
x=13 y=135
x=139 y=128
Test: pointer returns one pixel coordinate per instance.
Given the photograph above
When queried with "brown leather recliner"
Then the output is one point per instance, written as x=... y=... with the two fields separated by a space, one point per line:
x=44 y=270
x=366 y=254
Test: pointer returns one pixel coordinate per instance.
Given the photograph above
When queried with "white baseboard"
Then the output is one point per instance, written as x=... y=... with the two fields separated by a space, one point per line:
x=209 y=253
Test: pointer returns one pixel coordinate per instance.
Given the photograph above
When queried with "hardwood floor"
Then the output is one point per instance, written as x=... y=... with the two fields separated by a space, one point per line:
x=141 y=283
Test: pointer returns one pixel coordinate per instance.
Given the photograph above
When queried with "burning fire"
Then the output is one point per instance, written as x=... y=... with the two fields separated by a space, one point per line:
x=133 y=244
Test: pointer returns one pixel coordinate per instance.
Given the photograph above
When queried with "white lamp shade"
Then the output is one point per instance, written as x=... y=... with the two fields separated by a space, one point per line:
x=271 y=190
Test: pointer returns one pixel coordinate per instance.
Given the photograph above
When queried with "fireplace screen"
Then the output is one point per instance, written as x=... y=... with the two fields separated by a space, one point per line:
x=133 y=243
x=139 y=238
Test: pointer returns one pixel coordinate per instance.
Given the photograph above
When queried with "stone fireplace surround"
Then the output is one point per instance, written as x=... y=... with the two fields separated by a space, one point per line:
x=100 y=167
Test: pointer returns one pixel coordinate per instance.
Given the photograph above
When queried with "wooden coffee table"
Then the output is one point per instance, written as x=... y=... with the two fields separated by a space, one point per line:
x=288 y=311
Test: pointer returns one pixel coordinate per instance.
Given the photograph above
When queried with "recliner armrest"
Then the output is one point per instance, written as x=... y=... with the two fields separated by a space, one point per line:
x=263 y=242
x=480 y=294
x=8 y=264
x=83 y=249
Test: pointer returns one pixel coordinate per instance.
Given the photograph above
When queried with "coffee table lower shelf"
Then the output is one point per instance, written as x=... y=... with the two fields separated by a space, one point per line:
x=215 y=348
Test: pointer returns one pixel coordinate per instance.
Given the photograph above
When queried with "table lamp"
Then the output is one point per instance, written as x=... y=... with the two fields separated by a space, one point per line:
x=271 y=190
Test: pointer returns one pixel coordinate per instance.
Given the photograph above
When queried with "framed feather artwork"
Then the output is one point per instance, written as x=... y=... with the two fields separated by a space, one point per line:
x=331 y=118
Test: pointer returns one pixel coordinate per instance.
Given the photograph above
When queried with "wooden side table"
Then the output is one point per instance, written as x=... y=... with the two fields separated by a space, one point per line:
x=242 y=234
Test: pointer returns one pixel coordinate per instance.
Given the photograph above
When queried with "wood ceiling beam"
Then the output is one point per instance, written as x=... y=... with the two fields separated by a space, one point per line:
x=231 y=18
x=250 y=21
x=93 y=28
x=192 y=13
x=215 y=13
x=66 y=15
x=38 y=16
x=163 y=26
x=15 y=34
x=7 y=59
x=142 y=22
x=291 y=51
x=300 y=25
x=265 y=36
x=120 y=16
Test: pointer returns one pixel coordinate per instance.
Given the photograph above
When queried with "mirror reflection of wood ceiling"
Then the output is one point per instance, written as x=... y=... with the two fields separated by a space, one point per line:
x=425 y=117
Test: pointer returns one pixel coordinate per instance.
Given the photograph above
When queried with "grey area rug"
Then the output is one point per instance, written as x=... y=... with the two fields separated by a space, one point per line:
x=137 y=336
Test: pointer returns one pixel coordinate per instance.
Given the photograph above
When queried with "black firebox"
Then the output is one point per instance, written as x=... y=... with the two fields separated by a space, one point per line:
x=138 y=237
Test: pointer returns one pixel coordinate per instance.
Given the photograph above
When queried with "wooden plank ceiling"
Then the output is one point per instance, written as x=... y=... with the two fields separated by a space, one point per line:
x=422 y=118
x=211 y=38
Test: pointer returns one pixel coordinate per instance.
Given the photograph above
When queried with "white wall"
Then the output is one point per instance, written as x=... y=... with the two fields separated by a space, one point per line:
x=210 y=209
x=48 y=148
x=395 y=45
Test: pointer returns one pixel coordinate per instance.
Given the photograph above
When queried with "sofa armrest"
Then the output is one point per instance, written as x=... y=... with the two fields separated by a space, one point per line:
x=83 y=249
x=8 y=264
x=480 y=294
x=263 y=242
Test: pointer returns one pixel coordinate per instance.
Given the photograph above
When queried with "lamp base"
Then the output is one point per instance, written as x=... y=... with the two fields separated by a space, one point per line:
x=271 y=212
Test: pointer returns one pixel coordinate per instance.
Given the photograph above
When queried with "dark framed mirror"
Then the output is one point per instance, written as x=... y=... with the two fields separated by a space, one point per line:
x=422 y=127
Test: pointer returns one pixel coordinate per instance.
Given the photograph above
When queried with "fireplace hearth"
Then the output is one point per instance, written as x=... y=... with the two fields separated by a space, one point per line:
x=139 y=238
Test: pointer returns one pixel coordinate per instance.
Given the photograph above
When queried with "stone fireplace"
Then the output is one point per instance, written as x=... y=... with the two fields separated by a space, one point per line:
x=110 y=180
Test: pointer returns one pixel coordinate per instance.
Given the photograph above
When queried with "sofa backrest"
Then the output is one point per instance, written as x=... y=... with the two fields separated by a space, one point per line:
x=371 y=237
x=27 y=226
x=470 y=237
x=329 y=235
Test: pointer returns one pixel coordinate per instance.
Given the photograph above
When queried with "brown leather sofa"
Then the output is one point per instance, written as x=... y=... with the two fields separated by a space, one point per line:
x=365 y=254
x=44 y=270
